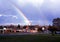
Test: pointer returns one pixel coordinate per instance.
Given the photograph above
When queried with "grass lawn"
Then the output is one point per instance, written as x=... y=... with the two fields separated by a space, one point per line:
x=31 y=38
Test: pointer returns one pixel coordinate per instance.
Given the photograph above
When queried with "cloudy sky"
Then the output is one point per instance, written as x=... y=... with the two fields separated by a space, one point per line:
x=40 y=12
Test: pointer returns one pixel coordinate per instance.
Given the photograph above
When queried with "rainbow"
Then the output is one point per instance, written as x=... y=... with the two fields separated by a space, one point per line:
x=27 y=22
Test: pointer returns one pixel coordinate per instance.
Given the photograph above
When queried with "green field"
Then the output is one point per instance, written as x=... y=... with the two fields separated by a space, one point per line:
x=31 y=38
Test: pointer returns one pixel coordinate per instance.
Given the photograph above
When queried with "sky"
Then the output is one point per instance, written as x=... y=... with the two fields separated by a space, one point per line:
x=26 y=12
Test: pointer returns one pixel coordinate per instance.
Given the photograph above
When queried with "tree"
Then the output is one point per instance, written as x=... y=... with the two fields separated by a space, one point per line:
x=52 y=29
x=1 y=27
x=18 y=26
